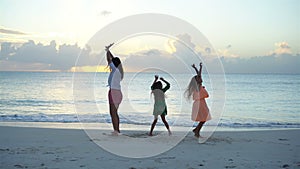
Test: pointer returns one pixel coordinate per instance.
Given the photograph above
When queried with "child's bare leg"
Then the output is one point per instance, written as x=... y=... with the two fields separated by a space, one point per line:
x=163 y=118
x=153 y=125
x=198 y=128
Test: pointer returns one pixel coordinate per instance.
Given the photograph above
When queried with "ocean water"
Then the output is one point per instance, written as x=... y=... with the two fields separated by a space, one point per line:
x=250 y=100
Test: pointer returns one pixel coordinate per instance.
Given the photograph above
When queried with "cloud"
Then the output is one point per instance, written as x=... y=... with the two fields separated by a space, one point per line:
x=183 y=55
x=226 y=53
x=105 y=13
x=281 y=48
x=185 y=49
x=208 y=50
x=187 y=39
x=47 y=57
x=10 y=31
x=6 y=50
x=153 y=58
x=283 y=45
x=12 y=40
x=284 y=63
x=39 y=57
x=280 y=60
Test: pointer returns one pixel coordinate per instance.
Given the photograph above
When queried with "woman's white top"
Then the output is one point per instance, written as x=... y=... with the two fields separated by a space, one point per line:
x=114 y=78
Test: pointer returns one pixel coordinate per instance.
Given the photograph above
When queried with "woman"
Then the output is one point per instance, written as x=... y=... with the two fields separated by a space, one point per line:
x=114 y=93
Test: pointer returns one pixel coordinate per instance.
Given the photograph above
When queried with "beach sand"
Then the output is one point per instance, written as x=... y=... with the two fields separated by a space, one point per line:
x=28 y=147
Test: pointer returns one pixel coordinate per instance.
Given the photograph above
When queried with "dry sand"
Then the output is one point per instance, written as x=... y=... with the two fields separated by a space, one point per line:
x=27 y=147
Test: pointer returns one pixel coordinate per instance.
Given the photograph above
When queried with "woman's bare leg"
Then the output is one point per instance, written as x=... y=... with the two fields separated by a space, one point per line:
x=113 y=109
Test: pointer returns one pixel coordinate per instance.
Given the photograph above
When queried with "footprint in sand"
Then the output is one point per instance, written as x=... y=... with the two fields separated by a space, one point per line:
x=20 y=166
x=130 y=134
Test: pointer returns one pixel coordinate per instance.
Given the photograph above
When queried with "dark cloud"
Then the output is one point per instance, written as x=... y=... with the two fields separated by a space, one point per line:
x=32 y=56
x=9 y=31
x=208 y=50
x=284 y=63
x=30 y=53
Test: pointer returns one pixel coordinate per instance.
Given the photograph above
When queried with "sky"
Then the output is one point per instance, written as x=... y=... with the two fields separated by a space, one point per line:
x=44 y=35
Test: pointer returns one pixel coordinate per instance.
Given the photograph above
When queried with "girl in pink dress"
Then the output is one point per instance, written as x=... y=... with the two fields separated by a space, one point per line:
x=200 y=111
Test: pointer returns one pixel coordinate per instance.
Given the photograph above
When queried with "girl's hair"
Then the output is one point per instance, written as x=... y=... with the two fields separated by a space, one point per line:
x=157 y=85
x=193 y=86
x=117 y=62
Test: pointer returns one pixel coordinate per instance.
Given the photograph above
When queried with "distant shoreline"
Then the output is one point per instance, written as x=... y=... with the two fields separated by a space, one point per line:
x=205 y=73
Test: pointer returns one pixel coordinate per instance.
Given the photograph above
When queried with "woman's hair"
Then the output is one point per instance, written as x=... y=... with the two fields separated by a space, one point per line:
x=193 y=86
x=157 y=85
x=117 y=62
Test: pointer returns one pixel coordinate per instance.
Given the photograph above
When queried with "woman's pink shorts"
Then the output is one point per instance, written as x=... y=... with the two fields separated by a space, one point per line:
x=115 y=96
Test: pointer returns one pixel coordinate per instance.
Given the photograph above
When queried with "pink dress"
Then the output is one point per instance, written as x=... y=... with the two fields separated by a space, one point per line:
x=200 y=111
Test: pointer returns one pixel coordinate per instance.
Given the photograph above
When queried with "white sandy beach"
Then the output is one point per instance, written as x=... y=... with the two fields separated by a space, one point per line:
x=28 y=147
